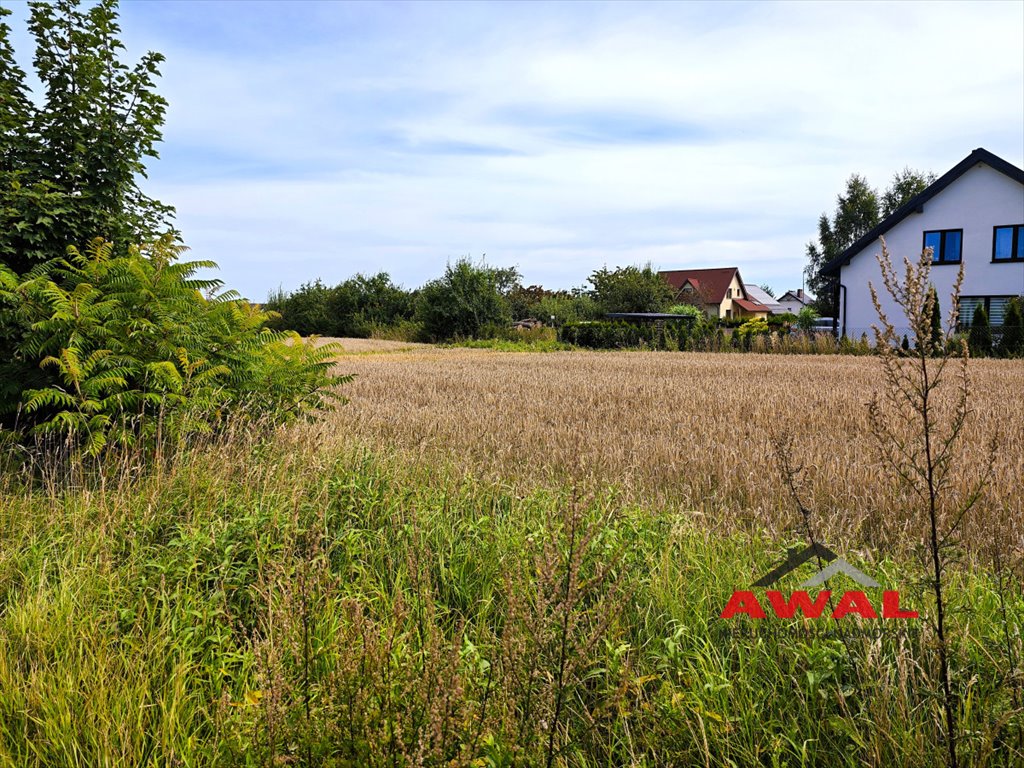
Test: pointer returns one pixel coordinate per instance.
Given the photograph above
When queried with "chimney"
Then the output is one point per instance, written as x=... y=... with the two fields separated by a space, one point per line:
x=800 y=293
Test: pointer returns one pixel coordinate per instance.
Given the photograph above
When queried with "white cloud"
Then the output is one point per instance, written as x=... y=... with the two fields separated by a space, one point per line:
x=562 y=137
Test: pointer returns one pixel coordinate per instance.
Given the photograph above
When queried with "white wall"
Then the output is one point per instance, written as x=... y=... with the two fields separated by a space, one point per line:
x=982 y=198
x=792 y=305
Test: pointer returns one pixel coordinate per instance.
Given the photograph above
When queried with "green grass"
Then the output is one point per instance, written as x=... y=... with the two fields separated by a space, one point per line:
x=276 y=605
x=506 y=345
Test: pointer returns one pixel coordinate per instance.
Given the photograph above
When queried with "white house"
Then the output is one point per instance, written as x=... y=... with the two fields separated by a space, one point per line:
x=973 y=214
x=794 y=301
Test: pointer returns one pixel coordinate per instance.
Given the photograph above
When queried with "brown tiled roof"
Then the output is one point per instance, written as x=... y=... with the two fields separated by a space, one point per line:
x=750 y=306
x=712 y=283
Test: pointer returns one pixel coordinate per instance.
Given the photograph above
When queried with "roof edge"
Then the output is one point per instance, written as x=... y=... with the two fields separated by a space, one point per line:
x=980 y=155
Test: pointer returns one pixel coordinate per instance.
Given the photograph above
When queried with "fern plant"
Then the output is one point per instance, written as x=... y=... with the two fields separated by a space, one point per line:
x=136 y=347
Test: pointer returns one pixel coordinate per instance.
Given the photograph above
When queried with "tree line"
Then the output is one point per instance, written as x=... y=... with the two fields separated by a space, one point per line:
x=471 y=300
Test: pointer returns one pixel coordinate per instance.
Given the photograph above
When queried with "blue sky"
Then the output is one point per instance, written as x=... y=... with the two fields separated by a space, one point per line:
x=321 y=139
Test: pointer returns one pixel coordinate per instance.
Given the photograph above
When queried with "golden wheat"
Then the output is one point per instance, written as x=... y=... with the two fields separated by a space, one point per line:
x=686 y=430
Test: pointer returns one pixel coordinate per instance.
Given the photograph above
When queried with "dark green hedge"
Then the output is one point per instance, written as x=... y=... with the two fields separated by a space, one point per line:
x=619 y=334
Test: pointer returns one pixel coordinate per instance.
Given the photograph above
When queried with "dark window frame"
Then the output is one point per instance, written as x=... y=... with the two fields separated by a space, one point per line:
x=1018 y=234
x=942 y=245
x=985 y=301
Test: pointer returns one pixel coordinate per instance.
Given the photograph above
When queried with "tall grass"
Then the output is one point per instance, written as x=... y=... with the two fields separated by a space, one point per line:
x=275 y=600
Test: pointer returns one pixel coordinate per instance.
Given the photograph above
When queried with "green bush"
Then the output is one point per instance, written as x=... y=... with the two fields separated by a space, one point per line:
x=464 y=302
x=936 y=335
x=403 y=330
x=689 y=310
x=305 y=310
x=979 y=337
x=1011 y=340
x=127 y=350
x=630 y=289
x=846 y=345
x=617 y=334
x=565 y=308
x=805 y=318
x=352 y=309
x=785 y=320
x=753 y=327
x=360 y=303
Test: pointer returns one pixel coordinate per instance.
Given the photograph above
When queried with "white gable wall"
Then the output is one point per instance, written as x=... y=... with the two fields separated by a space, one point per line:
x=979 y=200
x=792 y=305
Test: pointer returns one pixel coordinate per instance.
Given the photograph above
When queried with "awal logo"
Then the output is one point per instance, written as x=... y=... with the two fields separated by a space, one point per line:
x=854 y=601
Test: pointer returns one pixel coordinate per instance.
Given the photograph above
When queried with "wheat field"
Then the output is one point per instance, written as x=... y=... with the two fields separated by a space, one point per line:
x=509 y=559
x=688 y=430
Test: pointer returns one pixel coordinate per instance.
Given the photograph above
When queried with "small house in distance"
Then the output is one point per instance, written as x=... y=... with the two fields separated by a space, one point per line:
x=794 y=301
x=973 y=215
x=719 y=292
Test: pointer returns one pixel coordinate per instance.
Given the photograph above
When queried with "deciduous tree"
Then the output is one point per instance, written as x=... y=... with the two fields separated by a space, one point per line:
x=905 y=185
x=630 y=289
x=464 y=302
x=103 y=336
x=856 y=212
x=72 y=158
x=858 y=209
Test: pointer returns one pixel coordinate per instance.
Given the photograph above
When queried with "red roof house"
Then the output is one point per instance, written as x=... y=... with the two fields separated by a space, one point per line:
x=719 y=292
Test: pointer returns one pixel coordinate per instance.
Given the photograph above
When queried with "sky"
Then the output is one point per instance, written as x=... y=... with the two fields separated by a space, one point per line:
x=312 y=140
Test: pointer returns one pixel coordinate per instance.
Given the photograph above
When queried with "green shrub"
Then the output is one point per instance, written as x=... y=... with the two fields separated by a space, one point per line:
x=604 y=334
x=805 y=319
x=565 y=308
x=403 y=330
x=749 y=329
x=128 y=349
x=306 y=310
x=630 y=289
x=1011 y=340
x=935 y=321
x=979 y=338
x=115 y=343
x=689 y=310
x=361 y=303
x=464 y=302
x=510 y=345
x=352 y=309
x=785 y=320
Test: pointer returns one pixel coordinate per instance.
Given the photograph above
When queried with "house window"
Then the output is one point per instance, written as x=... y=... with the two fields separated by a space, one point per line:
x=995 y=308
x=1008 y=243
x=945 y=244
